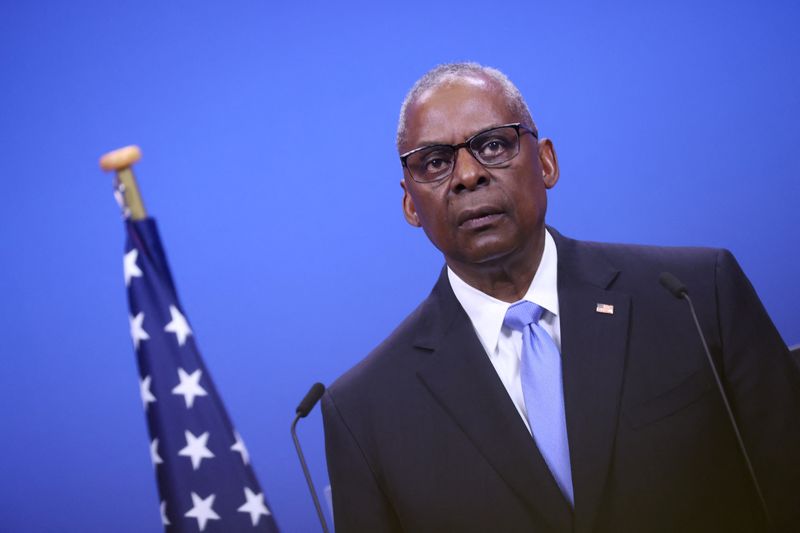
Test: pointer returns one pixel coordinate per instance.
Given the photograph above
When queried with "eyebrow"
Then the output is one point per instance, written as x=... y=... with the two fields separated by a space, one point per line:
x=423 y=144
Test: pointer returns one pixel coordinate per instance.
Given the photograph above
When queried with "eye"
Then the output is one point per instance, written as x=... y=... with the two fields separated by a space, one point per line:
x=433 y=165
x=493 y=147
x=436 y=161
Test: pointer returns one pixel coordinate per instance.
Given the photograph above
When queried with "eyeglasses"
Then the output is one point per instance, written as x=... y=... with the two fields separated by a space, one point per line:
x=491 y=148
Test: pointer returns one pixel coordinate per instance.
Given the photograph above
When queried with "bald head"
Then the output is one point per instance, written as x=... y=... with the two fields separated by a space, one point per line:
x=463 y=73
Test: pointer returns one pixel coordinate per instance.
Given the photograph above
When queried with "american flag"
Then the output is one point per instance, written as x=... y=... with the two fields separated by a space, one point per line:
x=205 y=479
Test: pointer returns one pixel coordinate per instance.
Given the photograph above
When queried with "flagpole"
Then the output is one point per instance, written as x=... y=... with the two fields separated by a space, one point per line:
x=125 y=188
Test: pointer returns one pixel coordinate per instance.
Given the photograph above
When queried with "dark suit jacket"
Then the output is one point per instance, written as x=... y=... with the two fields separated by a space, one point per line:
x=422 y=436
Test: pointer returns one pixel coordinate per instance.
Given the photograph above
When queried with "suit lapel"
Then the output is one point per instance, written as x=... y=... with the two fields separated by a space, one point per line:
x=593 y=348
x=461 y=378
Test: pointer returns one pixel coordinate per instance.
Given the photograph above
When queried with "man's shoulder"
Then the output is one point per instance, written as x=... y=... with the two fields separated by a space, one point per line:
x=642 y=262
x=633 y=253
x=635 y=269
x=393 y=360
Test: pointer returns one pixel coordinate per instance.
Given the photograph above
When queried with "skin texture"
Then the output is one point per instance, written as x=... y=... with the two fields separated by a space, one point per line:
x=487 y=222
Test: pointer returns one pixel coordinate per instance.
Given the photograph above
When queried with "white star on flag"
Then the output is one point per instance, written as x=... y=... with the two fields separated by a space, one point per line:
x=189 y=386
x=157 y=460
x=130 y=267
x=238 y=446
x=137 y=331
x=178 y=325
x=254 y=505
x=144 y=391
x=196 y=448
x=201 y=510
x=164 y=520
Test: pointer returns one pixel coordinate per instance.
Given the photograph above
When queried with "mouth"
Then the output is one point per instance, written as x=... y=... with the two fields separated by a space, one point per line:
x=479 y=217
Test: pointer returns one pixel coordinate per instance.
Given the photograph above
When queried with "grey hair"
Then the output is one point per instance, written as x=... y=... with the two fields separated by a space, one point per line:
x=449 y=72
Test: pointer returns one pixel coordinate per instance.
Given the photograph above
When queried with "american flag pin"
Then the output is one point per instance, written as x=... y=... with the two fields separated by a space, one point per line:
x=606 y=309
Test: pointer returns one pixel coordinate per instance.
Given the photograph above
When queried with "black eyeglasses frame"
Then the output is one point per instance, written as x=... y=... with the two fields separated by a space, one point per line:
x=456 y=147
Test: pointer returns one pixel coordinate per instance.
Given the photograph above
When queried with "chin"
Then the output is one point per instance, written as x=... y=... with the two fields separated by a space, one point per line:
x=490 y=252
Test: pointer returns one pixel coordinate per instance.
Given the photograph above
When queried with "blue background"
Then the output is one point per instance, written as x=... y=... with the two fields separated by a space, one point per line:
x=268 y=130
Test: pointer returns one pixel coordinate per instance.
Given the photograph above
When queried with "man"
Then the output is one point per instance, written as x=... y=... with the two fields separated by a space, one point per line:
x=548 y=384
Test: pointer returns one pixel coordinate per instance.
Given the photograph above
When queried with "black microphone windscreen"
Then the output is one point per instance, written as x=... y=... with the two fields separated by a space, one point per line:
x=672 y=284
x=312 y=397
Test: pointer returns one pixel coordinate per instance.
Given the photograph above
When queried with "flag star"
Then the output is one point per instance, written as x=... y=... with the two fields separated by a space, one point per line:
x=196 y=449
x=178 y=325
x=157 y=460
x=189 y=386
x=130 y=267
x=144 y=391
x=238 y=446
x=137 y=331
x=254 y=505
x=164 y=520
x=201 y=510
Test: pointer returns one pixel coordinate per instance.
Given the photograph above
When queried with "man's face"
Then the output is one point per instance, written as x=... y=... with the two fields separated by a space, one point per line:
x=477 y=216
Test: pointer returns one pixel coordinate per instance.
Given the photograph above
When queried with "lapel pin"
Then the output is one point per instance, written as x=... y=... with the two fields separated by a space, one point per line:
x=606 y=309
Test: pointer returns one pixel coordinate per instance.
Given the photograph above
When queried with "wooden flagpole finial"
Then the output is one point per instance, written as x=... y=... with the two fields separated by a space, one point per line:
x=121 y=158
x=125 y=188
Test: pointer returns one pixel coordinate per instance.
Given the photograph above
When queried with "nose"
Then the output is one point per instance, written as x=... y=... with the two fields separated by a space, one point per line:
x=468 y=173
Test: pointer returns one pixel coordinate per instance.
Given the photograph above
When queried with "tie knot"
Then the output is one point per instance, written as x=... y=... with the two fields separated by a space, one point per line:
x=522 y=314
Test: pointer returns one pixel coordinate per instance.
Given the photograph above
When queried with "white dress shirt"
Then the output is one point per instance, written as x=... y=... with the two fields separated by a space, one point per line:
x=504 y=345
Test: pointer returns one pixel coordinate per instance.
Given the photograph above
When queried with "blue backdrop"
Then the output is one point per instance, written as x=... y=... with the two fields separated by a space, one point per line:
x=267 y=130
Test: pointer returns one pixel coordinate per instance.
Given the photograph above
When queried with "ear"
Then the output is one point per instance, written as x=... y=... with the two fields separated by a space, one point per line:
x=409 y=210
x=549 y=162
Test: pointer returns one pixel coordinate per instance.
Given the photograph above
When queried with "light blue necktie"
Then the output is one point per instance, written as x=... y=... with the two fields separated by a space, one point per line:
x=540 y=372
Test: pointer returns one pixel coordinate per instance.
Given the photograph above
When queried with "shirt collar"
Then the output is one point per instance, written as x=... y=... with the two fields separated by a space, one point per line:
x=487 y=313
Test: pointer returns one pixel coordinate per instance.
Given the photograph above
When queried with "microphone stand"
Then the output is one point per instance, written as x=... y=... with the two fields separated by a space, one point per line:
x=311 y=398
x=679 y=290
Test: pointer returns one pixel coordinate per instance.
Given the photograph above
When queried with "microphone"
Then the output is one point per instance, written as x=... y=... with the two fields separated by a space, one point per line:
x=679 y=291
x=310 y=400
x=306 y=405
